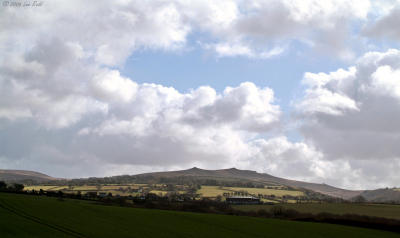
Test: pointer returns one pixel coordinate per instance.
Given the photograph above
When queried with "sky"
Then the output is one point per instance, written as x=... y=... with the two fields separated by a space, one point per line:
x=306 y=90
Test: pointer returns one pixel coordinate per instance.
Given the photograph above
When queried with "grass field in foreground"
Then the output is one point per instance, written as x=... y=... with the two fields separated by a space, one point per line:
x=378 y=210
x=35 y=216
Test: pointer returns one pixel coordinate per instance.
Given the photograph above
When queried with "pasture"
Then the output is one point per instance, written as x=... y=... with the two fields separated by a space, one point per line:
x=38 y=216
x=378 y=210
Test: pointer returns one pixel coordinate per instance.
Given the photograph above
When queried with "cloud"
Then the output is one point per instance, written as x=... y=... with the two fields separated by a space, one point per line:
x=107 y=32
x=166 y=127
x=386 y=26
x=264 y=28
x=238 y=49
x=351 y=114
x=65 y=104
x=260 y=29
x=158 y=133
x=67 y=110
x=105 y=120
x=110 y=86
x=44 y=83
x=320 y=98
x=302 y=161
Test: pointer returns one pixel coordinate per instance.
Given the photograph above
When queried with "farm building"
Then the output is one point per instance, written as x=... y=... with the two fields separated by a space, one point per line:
x=242 y=200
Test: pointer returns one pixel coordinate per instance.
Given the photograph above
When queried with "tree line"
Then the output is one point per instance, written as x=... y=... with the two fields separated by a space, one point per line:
x=15 y=187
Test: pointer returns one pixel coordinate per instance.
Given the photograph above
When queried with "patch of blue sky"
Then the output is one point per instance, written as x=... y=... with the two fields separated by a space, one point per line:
x=189 y=69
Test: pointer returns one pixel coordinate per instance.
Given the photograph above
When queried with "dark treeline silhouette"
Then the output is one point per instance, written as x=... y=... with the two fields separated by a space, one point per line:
x=14 y=187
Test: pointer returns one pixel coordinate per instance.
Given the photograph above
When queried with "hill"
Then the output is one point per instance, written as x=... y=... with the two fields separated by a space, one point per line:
x=382 y=195
x=23 y=176
x=234 y=174
x=38 y=216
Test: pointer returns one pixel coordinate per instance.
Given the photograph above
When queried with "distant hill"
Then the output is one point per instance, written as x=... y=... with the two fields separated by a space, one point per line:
x=234 y=174
x=381 y=195
x=23 y=175
x=197 y=175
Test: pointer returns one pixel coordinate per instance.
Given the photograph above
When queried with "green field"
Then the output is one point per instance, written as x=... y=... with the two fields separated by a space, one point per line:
x=378 y=210
x=38 y=216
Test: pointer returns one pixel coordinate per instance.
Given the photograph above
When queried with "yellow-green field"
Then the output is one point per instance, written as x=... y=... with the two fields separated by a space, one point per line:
x=268 y=200
x=159 y=192
x=211 y=191
x=266 y=191
x=44 y=187
x=214 y=191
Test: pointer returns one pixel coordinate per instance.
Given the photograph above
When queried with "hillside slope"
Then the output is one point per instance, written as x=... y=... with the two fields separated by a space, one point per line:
x=248 y=175
x=23 y=175
x=196 y=174
x=381 y=195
